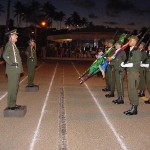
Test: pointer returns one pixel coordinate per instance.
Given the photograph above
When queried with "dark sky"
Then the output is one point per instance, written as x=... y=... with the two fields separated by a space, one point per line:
x=132 y=14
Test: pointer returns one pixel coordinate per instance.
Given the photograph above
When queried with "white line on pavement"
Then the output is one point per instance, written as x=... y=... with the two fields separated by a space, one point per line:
x=121 y=143
x=34 y=139
x=63 y=142
x=5 y=94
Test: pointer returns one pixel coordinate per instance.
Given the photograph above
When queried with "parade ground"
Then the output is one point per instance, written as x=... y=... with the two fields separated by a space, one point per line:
x=64 y=115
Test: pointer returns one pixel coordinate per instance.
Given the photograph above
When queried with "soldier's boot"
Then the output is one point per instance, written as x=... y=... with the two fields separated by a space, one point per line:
x=111 y=94
x=147 y=102
x=141 y=93
x=132 y=111
x=106 y=89
x=119 y=100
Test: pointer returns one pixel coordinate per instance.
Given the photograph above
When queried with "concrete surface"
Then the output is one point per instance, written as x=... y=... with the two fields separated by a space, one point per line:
x=67 y=116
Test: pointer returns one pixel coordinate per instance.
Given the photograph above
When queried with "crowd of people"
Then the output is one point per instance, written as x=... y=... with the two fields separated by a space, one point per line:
x=67 y=49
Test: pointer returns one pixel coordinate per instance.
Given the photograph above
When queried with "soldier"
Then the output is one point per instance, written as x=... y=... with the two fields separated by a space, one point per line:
x=13 y=69
x=119 y=72
x=146 y=65
x=31 y=62
x=110 y=51
x=133 y=72
x=142 y=71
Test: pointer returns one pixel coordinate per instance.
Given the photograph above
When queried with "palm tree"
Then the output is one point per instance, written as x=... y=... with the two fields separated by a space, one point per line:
x=49 y=12
x=33 y=12
x=68 y=22
x=75 y=20
x=19 y=9
x=84 y=22
x=59 y=16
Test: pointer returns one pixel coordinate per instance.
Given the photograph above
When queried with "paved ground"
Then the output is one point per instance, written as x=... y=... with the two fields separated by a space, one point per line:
x=67 y=116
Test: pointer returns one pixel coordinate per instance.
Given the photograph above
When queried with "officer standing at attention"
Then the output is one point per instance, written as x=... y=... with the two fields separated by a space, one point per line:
x=119 y=72
x=133 y=73
x=13 y=69
x=146 y=65
x=109 y=52
x=31 y=62
x=142 y=71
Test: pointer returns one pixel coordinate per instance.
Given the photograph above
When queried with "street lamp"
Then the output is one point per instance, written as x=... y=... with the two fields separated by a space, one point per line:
x=44 y=24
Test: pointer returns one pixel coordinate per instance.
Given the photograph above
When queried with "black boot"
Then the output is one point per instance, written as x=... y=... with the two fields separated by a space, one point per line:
x=141 y=93
x=119 y=100
x=111 y=94
x=147 y=102
x=106 y=89
x=132 y=111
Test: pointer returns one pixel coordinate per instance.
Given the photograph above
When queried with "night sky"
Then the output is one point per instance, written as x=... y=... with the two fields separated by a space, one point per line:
x=131 y=14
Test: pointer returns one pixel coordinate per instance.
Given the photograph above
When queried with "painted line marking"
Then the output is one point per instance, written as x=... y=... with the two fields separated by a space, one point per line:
x=121 y=143
x=34 y=139
x=62 y=119
x=5 y=94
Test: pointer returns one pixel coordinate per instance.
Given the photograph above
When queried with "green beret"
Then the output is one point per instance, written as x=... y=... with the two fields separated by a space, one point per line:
x=111 y=41
x=11 y=32
x=31 y=40
x=119 y=42
x=143 y=43
x=134 y=37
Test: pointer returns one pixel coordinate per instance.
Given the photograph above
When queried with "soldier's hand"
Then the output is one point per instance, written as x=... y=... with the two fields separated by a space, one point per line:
x=120 y=71
x=125 y=61
x=144 y=65
x=126 y=65
x=14 y=64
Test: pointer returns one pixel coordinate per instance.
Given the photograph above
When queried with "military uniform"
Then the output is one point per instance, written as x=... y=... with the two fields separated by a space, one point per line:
x=119 y=75
x=142 y=83
x=146 y=65
x=133 y=75
x=110 y=77
x=31 y=63
x=13 y=69
x=109 y=70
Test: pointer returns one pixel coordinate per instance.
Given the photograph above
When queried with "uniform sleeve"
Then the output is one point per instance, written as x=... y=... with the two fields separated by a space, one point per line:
x=8 y=55
x=144 y=56
x=137 y=58
x=27 y=51
x=123 y=56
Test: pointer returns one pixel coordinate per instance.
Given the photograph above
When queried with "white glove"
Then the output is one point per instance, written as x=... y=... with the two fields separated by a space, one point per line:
x=126 y=65
x=144 y=65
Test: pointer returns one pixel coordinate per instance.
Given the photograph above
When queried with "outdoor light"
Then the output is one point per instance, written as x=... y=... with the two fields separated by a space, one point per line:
x=43 y=23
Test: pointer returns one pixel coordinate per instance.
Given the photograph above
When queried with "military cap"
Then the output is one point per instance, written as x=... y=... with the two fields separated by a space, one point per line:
x=31 y=40
x=142 y=43
x=111 y=41
x=119 y=42
x=106 y=40
x=134 y=37
x=11 y=32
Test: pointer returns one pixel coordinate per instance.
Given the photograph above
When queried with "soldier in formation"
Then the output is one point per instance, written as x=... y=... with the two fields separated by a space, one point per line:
x=31 y=62
x=13 y=69
x=119 y=72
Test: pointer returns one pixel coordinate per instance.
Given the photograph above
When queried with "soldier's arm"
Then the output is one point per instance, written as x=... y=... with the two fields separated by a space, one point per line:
x=8 y=55
x=137 y=58
x=27 y=51
x=123 y=56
